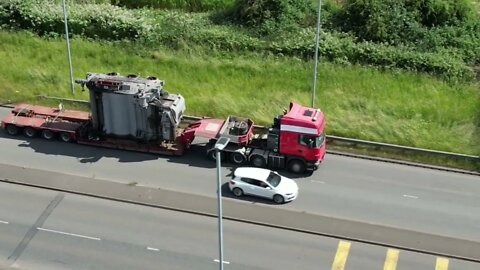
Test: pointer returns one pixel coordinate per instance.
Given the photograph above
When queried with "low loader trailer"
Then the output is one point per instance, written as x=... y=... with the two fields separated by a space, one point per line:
x=134 y=113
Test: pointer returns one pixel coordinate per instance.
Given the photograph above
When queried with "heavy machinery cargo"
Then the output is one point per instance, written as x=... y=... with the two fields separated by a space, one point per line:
x=134 y=113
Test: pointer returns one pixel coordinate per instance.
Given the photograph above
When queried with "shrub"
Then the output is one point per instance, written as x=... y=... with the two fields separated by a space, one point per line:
x=94 y=21
x=188 y=5
x=272 y=16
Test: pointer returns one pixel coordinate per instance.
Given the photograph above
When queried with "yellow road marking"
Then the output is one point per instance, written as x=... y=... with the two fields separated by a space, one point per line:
x=442 y=264
x=341 y=255
x=391 y=259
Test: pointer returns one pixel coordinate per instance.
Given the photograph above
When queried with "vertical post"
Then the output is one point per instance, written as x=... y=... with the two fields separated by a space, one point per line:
x=317 y=38
x=68 y=45
x=220 y=225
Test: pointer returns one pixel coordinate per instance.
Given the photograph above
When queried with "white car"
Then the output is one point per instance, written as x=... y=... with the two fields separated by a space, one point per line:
x=263 y=183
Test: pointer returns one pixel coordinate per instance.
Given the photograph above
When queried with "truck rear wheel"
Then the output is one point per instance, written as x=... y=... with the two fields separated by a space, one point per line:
x=258 y=161
x=296 y=166
x=11 y=130
x=213 y=155
x=29 y=132
x=237 y=158
x=47 y=134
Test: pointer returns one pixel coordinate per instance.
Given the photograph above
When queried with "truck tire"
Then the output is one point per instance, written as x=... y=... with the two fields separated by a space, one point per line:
x=237 y=158
x=65 y=137
x=213 y=155
x=258 y=161
x=11 y=130
x=29 y=132
x=277 y=198
x=48 y=134
x=296 y=166
x=238 y=192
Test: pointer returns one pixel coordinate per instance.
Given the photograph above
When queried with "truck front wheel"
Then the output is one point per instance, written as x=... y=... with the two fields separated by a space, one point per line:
x=296 y=166
x=257 y=161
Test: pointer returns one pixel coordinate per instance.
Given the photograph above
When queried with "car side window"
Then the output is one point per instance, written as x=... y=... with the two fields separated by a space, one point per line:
x=247 y=180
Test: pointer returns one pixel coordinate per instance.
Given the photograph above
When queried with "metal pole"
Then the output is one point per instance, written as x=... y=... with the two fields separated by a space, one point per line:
x=68 y=45
x=317 y=38
x=220 y=225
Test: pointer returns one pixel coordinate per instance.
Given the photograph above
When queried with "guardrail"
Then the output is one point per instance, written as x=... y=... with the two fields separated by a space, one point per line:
x=341 y=139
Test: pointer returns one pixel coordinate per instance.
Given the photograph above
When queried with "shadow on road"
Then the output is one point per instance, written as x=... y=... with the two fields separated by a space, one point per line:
x=194 y=156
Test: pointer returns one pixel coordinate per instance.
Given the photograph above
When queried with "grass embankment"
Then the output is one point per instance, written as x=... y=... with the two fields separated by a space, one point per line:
x=401 y=108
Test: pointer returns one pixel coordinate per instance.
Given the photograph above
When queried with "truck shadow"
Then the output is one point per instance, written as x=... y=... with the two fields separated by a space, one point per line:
x=195 y=156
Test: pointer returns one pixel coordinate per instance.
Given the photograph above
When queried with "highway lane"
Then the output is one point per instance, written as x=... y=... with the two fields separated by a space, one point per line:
x=42 y=229
x=390 y=194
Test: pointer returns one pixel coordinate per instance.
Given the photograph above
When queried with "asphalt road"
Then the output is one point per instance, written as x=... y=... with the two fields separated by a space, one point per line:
x=389 y=194
x=41 y=229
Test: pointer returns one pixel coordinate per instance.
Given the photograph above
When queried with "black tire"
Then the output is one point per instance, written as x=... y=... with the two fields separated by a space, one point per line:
x=11 y=130
x=29 y=132
x=297 y=166
x=65 y=137
x=238 y=192
x=48 y=134
x=258 y=161
x=237 y=158
x=277 y=198
x=213 y=155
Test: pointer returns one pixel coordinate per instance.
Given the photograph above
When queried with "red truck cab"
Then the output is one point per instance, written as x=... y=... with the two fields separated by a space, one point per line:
x=302 y=134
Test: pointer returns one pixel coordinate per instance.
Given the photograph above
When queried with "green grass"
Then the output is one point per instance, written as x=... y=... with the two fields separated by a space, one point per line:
x=402 y=108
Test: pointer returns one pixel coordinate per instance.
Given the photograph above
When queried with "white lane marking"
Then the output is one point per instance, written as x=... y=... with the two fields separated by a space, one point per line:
x=153 y=249
x=70 y=234
x=316 y=181
x=410 y=196
x=3 y=222
x=218 y=261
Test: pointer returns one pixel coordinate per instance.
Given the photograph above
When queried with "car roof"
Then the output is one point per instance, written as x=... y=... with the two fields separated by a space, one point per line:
x=251 y=172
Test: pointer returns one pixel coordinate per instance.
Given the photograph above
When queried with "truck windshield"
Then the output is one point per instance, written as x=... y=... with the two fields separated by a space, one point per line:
x=319 y=140
x=312 y=141
x=274 y=179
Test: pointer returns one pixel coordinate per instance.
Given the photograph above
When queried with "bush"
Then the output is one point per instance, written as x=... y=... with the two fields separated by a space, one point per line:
x=272 y=16
x=188 y=5
x=397 y=21
x=94 y=21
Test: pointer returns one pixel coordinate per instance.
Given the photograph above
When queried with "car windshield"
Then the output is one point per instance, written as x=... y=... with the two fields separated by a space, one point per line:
x=274 y=179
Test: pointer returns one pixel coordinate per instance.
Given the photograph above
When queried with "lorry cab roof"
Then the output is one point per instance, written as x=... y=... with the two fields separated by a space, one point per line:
x=309 y=120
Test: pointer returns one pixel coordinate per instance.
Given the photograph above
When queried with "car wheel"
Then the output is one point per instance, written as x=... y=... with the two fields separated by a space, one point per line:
x=12 y=130
x=278 y=199
x=29 y=132
x=296 y=166
x=47 y=134
x=237 y=192
x=257 y=161
x=237 y=158
x=65 y=137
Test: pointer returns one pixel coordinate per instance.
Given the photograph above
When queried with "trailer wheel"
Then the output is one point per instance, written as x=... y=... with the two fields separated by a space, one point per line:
x=213 y=155
x=237 y=158
x=296 y=166
x=258 y=161
x=237 y=192
x=29 y=132
x=65 y=137
x=11 y=130
x=277 y=198
x=47 y=134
